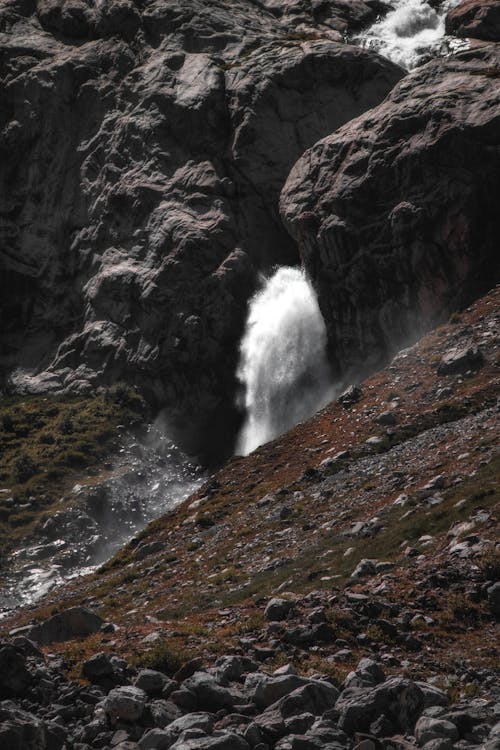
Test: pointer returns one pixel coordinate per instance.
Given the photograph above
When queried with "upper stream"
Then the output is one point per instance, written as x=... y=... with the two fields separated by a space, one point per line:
x=410 y=33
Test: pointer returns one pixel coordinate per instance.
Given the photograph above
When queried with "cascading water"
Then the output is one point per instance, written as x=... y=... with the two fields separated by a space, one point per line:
x=150 y=477
x=283 y=366
x=410 y=32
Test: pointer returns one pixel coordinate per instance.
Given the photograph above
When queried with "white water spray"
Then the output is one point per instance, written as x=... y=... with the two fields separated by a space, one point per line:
x=283 y=365
x=410 y=32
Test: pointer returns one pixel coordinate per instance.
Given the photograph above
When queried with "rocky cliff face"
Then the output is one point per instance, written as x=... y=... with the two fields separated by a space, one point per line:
x=395 y=214
x=144 y=147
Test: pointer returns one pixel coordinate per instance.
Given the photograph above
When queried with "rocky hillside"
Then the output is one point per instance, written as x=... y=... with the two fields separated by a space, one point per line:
x=338 y=586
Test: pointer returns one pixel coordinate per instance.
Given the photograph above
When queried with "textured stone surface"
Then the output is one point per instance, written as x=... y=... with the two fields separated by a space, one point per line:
x=475 y=18
x=143 y=152
x=76 y=622
x=395 y=213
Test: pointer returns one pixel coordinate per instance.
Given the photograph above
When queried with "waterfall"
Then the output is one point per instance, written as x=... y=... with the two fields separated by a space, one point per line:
x=410 y=32
x=283 y=367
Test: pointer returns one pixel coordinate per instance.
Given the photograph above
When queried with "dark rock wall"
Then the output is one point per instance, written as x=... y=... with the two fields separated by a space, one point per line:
x=396 y=213
x=143 y=149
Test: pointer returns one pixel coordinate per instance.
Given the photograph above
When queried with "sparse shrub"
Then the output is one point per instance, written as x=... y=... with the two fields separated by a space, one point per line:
x=205 y=520
x=124 y=396
x=462 y=608
x=24 y=468
x=165 y=657
x=46 y=439
x=66 y=426
x=374 y=633
x=72 y=458
x=7 y=423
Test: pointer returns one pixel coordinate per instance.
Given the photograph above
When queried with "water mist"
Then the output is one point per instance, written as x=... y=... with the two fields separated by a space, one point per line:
x=283 y=366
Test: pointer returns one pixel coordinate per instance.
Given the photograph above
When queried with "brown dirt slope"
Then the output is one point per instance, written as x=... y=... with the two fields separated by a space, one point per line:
x=404 y=472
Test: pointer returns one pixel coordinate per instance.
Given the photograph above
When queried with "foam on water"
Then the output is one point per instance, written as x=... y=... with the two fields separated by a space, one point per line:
x=283 y=366
x=151 y=476
x=409 y=33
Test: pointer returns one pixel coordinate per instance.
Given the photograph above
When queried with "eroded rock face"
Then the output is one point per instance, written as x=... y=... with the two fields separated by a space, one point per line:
x=395 y=213
x=144 y=147
x=479 y=19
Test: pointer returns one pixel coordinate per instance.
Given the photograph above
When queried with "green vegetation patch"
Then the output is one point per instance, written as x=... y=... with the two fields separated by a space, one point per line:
x=47 y=442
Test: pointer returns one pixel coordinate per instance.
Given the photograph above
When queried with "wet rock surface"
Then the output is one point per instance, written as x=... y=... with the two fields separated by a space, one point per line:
x=144 y=150
x=387 y=268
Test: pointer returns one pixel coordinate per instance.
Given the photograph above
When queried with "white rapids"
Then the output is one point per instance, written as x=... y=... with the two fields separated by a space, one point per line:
x=283 y=366
x=409 y=33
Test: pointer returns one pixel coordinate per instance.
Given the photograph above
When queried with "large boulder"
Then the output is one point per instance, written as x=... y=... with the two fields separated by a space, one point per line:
x=143 y=150
x=20 y=730
x=125 y=703
x=475 y=18
x=396 y=214
x=398 y=699
x=14 y=676
x=76 y=622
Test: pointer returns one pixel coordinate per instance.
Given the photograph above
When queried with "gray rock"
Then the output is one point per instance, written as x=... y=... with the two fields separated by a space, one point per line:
x=433 y=696
x=163 y=712
x=399 y=699
x=386 y=418
x=355 y=254
x=196 y=720
x=14 y=675
x=268 y=690
x=459 y=360
x=20 y=730
x=428 y=729
x=364 y=568
x=316 y=697
x=439 y=744
x=76 y=622
x=151 y=681
x=125 y=703
x=494 y=598
x=156 y=739
x=223 y=741
x=232 y=668
x=210 y=696
x=278 y=609
x=98 y=666
x=305 y=636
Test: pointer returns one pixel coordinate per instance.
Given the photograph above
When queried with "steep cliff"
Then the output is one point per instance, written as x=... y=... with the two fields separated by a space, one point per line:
x=395 y=213
x=144 y=147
